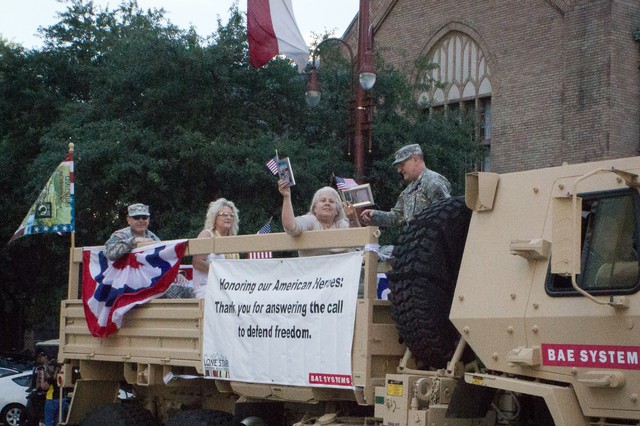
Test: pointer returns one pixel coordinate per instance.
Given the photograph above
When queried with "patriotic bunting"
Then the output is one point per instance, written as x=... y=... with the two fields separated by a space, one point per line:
x=111 y=289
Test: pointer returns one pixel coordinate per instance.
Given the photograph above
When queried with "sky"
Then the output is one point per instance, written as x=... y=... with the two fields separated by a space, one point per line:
x=20 y=19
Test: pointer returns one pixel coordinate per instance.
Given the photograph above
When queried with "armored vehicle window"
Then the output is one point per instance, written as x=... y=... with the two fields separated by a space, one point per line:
x=609 y=258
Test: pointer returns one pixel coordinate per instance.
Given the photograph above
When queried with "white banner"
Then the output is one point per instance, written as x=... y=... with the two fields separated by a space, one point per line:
x=282 y=321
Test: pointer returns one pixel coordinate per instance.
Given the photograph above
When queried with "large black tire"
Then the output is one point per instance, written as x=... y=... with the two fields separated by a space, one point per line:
x=200 y=418
x=425 y=269
x=119 y=415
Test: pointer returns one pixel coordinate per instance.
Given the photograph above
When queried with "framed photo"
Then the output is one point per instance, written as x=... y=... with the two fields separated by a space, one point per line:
x=358 y=196
x=285 y=172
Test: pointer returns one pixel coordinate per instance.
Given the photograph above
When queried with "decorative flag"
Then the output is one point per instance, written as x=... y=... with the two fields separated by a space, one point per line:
x=272 y=165
x=110 y=289
x=272 y=30
x=53 y=211
x=345 y=183
x=266 y=229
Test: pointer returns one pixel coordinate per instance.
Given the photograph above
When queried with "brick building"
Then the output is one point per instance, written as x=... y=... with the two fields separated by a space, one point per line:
x=552 y=81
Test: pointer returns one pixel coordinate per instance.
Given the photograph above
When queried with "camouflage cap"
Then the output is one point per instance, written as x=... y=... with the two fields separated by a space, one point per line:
x=406 y=152
x=138 y=209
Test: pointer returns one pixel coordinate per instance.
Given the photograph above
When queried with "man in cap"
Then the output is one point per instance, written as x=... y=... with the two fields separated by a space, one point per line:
x=126 y=239
x=425 y=186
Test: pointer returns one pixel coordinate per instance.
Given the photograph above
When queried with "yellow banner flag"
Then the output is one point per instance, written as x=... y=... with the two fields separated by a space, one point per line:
x=53 y=211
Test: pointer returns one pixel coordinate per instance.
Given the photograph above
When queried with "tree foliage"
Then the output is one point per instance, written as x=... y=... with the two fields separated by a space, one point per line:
x=160 y=115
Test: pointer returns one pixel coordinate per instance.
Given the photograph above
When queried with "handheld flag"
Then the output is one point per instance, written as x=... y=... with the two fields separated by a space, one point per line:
x=272 y=30
x=53 y=211
x=345 y=183
x=266 y=229
x=272 y=165
x=111 y=289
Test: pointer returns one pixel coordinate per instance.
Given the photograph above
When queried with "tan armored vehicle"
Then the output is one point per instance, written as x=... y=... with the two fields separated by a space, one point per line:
x=539 y=275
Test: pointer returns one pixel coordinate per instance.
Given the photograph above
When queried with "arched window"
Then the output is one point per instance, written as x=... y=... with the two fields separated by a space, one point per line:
x=465 y=84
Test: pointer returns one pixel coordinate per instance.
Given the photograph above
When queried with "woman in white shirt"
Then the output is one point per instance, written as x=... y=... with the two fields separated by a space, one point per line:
x=326 y=212
x=221 y=221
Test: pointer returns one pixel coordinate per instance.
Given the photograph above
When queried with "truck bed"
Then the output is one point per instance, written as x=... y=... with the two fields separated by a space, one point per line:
x=165 y=335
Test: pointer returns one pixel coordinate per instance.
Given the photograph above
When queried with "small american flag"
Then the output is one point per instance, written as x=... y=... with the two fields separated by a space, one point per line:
x=273 y=165
x=266 y=229
x=345 y=183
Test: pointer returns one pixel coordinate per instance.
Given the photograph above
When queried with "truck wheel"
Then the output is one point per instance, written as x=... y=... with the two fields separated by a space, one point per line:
x=425 y=269
x=119 y=415
x=200 y=418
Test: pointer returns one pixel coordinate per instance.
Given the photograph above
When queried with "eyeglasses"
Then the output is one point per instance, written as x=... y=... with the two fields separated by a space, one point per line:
x=225 y=214
x=139 y=217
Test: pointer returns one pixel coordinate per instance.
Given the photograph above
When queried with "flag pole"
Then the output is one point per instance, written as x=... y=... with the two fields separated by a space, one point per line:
x=277 y=159
x=74 y=268
x=73 y=231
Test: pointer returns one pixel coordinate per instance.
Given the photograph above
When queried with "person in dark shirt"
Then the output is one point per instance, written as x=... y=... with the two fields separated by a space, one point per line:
x=52 y=404
x=37 y=391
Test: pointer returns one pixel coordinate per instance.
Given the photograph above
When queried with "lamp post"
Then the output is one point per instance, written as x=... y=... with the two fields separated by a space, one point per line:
x=313 y=92
x=361 y=101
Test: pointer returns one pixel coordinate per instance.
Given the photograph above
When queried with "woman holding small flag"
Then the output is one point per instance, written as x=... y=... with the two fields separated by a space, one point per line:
x=326 y=212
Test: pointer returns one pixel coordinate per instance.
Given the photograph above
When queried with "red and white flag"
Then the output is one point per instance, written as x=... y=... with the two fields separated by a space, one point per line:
x=272 y=165
x=272 y=30
x=266 y=229
x=110 y=289
x=345 y=183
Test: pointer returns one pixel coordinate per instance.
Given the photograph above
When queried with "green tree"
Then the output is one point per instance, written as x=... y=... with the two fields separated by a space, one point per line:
x=162 y=116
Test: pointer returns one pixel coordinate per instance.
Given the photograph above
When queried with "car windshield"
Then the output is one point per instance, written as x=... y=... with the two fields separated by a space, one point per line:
x=23 y=380
x=7 y=372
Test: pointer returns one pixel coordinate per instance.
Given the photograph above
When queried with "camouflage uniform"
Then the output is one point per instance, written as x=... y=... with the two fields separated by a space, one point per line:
x=121 y=242
x=429 y=187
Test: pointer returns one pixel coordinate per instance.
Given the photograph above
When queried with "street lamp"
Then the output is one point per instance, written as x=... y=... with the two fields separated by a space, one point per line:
x=362 y=104
x=366 y=54
x=313 y=93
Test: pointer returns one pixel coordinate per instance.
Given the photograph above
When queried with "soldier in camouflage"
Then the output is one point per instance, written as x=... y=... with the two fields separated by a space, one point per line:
x=126 y=239
x=425 y=186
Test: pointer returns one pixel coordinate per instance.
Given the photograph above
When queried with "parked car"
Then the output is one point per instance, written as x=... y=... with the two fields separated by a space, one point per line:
x=16 y=362
x=7 y=371
x=13 y=397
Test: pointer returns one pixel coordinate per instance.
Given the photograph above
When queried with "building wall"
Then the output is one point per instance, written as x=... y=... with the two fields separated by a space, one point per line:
x=564 y=73
x=625 y=90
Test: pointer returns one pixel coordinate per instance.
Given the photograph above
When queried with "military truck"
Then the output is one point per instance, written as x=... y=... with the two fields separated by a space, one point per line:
x=513 y=306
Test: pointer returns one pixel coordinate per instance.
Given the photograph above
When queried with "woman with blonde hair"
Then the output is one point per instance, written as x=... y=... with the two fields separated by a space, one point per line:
x=222 y=220
x=326 y=212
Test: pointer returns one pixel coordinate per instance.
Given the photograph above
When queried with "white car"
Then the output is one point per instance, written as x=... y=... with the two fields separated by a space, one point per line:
x=7 y=371
x=13 y=397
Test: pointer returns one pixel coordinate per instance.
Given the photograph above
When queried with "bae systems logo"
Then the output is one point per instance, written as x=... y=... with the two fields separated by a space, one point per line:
x=216 y=365
x=591 y=356
x=330 y=379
